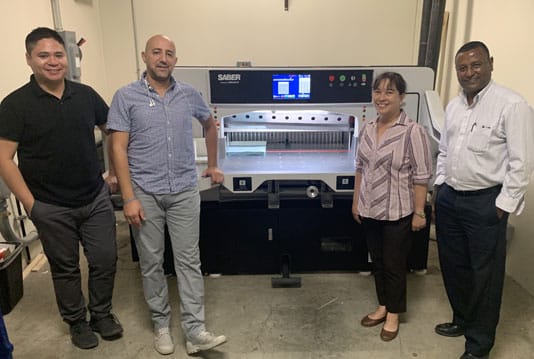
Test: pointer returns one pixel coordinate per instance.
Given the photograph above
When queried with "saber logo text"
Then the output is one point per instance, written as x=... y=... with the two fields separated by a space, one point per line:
x=229 y=77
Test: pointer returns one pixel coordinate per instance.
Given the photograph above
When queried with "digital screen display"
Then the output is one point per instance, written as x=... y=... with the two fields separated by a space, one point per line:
x=291 y=86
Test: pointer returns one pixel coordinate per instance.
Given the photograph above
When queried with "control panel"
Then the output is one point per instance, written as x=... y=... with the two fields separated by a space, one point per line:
x=289 y=86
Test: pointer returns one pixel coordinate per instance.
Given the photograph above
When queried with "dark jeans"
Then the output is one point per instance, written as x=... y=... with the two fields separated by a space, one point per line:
x=61 y=231
x=6 y=348
x=472 y=251
x=389 y=243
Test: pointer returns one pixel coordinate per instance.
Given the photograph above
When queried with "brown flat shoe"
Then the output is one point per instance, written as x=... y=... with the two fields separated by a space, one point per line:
x=369 y=322
x=387 y=336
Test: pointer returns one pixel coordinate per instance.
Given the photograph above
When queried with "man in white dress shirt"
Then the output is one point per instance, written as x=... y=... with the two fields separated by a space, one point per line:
x=483 y=171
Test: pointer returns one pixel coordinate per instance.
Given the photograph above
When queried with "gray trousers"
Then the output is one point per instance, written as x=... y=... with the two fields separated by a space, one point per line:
x=62 y=230
x=181 y=213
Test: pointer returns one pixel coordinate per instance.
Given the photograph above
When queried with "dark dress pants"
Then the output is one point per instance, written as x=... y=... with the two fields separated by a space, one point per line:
x=472 y=251
x=62 y=230
x=389 y=243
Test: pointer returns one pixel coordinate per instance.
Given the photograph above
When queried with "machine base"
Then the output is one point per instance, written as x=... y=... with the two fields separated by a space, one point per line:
x=246 y=237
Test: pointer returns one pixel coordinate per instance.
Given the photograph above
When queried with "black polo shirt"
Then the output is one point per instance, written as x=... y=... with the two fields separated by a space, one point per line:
x=56 y=144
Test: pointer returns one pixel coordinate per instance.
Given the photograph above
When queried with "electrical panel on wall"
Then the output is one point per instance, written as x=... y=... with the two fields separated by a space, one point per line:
x=74 y=55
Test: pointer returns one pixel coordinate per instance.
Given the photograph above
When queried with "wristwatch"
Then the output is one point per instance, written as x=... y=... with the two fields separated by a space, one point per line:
x=420 y=214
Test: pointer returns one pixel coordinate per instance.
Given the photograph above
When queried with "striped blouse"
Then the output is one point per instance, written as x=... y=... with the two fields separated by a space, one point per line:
x=390 y=167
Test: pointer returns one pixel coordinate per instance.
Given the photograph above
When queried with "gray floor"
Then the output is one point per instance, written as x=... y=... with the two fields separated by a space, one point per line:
x=319 y=320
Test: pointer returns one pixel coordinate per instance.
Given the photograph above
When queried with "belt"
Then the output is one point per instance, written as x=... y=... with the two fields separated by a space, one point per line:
x=477 y=192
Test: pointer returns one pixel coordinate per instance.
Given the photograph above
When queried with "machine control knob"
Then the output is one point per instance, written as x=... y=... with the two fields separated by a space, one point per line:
x=312 y=191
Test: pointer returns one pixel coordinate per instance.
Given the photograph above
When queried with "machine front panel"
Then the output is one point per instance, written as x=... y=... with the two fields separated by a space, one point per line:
x=290 y=86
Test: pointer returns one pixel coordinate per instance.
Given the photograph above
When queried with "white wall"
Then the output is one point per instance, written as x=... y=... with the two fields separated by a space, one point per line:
x=21 y=16
x=311 y=32
x=118 y=44
x=505 y=28
x=219 y=33
x=15 y=25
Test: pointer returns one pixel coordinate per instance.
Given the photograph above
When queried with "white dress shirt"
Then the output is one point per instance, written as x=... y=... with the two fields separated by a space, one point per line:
x=488 y=143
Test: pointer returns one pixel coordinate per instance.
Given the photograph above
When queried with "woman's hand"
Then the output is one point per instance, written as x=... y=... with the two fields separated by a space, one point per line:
x=418 y=222
x=356 y=214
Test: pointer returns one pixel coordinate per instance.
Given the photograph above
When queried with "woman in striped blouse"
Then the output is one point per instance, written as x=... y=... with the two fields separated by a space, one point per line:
x=393 y=167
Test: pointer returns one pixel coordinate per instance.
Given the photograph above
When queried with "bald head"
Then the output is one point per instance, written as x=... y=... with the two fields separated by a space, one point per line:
x=156 y=39
x=160 y=59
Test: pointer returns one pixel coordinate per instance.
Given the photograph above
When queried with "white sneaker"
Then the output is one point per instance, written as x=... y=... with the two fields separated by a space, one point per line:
x=163 y=341
x=203 y=341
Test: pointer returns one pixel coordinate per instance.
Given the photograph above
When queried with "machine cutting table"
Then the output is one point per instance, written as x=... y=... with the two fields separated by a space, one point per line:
x=286 y=165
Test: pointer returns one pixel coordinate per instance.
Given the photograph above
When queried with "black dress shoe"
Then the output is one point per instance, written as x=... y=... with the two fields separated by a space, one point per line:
x=449 y=329
x=467 y=355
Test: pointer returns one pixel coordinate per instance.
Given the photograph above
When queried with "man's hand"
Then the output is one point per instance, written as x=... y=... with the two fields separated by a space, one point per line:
x=215 y=174
x=112 y=183
x=500 y=212
x=133 y=212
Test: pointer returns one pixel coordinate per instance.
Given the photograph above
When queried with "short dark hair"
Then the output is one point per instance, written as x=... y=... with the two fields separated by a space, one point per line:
x=41 y=33
x=394 y=78
x=474 y=45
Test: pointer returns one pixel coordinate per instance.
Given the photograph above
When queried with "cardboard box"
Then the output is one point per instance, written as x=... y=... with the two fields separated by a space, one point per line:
x=11 y=287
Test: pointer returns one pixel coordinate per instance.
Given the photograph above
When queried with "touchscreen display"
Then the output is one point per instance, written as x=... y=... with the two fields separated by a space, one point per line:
x=291 y=86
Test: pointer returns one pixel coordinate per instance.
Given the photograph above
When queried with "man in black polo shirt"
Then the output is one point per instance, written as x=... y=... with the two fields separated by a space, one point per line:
x=49 y=123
